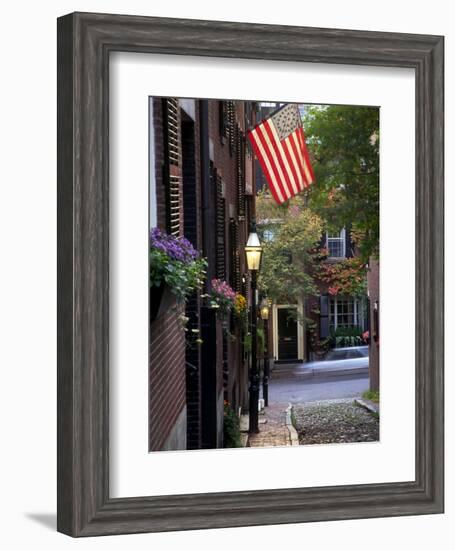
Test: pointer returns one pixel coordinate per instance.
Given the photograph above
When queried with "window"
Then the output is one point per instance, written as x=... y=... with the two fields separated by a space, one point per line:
x=346 y=312
x=336 y=244
x=268 y=235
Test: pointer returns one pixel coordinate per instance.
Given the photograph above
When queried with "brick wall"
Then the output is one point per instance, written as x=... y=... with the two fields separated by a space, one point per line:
x=167 y=386
x=225 y=161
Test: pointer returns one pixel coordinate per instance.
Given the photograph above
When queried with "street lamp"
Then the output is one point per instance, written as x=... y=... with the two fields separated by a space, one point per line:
x=265 y=309
x=253 y=250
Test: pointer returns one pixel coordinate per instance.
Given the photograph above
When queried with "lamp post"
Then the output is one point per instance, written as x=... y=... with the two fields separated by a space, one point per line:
x=253 y=252
x=265 y=381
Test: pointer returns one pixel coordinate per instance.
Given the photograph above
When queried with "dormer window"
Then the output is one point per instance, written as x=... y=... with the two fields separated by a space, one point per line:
x=336 y=244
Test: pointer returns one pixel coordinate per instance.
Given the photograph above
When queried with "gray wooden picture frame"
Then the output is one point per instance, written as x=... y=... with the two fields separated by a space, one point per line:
x=84 y=43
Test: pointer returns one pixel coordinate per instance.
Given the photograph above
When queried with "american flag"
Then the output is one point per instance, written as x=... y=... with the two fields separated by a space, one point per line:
x=279 y=144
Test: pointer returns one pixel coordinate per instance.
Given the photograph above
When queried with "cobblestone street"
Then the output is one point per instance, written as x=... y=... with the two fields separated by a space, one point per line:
x=335 y=421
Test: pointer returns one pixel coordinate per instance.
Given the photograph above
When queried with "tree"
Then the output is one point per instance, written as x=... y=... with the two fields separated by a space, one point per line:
x=290 y=234
x=344 y=146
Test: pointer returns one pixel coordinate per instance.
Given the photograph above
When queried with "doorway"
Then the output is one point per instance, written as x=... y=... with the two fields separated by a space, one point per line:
x=287 y=335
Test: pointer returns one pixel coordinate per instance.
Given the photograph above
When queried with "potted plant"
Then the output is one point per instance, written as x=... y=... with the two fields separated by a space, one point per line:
x=176 y=270
x=241 y=310
x=222 y=296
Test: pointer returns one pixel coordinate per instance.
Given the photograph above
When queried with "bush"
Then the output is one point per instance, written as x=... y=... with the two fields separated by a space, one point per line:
x=231 y=427
x=344 y=337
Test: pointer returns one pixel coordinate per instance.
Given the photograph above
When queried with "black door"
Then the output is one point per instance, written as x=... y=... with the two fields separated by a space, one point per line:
x=287 y=335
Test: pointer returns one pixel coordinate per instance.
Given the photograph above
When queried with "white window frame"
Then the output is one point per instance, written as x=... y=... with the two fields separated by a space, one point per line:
x=357 y=311
x=268 y=235
x=341 y=238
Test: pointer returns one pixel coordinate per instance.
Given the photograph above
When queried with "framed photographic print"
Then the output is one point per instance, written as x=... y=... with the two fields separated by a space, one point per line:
x=250 y=252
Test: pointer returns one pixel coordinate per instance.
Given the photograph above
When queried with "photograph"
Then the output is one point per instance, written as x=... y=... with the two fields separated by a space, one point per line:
x=264 y=277
x=250 y=274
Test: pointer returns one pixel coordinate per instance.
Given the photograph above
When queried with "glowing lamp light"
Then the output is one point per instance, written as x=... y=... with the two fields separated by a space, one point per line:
x=264 y=311
x=253 y=250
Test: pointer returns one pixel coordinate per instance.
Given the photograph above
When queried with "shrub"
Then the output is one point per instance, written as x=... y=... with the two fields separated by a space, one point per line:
x=344 y=337
x=231 y=427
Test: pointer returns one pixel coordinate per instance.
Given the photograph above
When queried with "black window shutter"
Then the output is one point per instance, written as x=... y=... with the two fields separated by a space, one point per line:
x=173 y=200
x=348 y=243
x=324 y=316
x=240 y=174
x=172 y=130
x=220 y=230
x=231 y=126
x=223 y=118
x=324 y=240
x=172 y=181
x=234 y=275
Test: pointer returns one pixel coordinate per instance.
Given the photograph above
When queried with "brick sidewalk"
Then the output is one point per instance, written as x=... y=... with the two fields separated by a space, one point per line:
x=273 y=431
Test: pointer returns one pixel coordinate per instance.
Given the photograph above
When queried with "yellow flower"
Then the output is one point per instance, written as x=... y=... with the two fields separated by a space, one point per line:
x=240 y=303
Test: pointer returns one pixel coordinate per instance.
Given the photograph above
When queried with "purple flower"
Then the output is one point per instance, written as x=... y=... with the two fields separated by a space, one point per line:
x=176 y=248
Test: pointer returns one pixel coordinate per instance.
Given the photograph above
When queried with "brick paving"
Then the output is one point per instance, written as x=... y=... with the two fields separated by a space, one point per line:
x=273 y=431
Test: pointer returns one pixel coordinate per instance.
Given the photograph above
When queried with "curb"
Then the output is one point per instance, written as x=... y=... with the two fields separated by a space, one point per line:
x=368 y=405
x=293 y=435
x=244 y=435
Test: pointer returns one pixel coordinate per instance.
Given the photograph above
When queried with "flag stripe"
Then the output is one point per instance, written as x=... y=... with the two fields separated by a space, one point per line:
x=306 y=173
x=265 y=164
x=273 y=162
x=298 y=154
x=293 y=164
x=278 y=148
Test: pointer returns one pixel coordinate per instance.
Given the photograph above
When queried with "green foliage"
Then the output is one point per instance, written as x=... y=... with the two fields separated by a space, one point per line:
x=287 y=258
x=260 y=341
x=348 y=341
x=371 y=395
x=344 y=145
x=247 y=342
x=343 y=337
x=182 y=278
x=346 y=331
x=231 y=427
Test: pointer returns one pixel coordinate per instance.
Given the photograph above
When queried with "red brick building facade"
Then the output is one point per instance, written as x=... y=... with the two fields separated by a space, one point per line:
x=201 y=187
